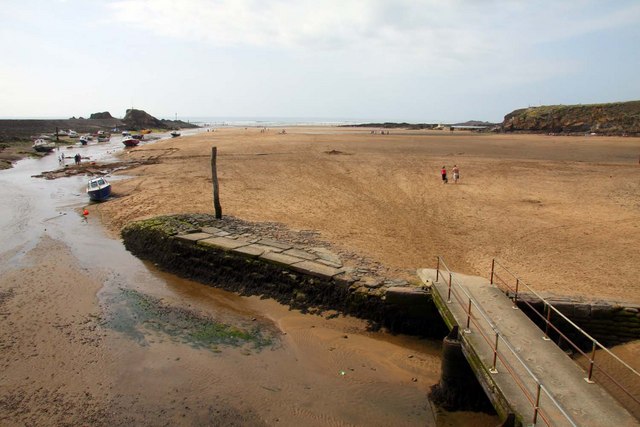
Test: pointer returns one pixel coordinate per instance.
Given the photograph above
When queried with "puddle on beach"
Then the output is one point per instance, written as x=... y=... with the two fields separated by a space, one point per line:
x=140 y=316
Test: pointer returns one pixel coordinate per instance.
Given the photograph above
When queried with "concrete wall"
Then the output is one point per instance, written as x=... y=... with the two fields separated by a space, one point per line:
x=407 y=309
x=610 y=323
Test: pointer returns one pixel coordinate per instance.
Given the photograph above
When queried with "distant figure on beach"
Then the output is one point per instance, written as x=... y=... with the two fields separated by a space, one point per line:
x=443 y=172
x=456 y=174
x=77 y=158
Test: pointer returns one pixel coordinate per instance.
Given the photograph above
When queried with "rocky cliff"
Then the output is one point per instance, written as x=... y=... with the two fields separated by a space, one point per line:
x=619 y=118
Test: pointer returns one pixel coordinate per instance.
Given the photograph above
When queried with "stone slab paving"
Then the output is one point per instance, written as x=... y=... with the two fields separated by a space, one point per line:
x=267 y=248
x=300 y=254
x=223 y=243
x=194 y=237
x=318 y=262
x=250 y=250
x=211 y=230
x=313 y=261
x=329 y=263
x=279 y=258
x=280 y=245
x=316 y=269
x=326 y=255
x=586 y=404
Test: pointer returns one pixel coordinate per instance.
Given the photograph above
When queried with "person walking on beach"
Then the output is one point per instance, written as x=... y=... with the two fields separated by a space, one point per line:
x=456 y=174
x=77 y=158
x=443 y=172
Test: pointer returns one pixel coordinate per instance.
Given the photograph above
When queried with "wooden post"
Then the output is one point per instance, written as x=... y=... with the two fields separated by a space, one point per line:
x=493 y=264
x=57 y=133
x=214 y=178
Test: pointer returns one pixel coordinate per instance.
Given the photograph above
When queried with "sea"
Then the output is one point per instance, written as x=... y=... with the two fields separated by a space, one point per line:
x=205 y=121
x=241 y=121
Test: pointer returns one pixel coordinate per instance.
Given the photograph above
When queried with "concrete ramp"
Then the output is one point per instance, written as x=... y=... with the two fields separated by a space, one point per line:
x=527 y=375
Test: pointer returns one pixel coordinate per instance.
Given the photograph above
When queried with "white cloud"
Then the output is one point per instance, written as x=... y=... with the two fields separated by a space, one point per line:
x=492 y=42
x=460 y=27
x=327 y=55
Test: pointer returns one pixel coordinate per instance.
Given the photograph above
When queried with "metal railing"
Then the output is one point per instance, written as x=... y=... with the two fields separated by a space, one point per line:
x=546 y=318
x=500 y=353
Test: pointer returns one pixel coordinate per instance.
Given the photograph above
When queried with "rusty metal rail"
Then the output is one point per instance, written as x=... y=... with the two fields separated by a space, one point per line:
x=496 y=266
x=502 y=352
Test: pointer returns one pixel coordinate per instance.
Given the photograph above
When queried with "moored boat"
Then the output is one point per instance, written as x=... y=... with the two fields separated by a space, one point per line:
x=130 y=142
x=98 y=189
x=175 y=134
x=83 y=140
x=43 y=146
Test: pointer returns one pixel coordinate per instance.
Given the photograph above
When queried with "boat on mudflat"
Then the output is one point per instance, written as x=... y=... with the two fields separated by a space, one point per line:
x=175 y=134
x=98 y=189
x=130 y=142
x=43 y=146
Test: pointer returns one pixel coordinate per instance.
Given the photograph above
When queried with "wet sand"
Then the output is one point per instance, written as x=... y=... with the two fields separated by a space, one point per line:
x=63 y=365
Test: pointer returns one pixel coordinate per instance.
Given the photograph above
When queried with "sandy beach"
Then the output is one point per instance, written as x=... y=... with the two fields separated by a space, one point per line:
x=561 y=212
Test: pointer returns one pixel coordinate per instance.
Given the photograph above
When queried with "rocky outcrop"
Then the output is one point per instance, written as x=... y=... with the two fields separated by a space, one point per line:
x=16 y=130
x=101 y=116
x=139 y=119
x=620 y=118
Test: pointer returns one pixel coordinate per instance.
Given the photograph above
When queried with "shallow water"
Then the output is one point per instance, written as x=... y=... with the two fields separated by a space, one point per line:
x=316 y=370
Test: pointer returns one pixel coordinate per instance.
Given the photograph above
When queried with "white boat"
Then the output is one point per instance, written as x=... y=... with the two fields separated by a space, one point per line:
x=98 y=189
x=43 y=146
x=73 y=134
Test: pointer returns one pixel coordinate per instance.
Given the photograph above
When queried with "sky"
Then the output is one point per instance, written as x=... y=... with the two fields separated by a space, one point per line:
x=431 y=61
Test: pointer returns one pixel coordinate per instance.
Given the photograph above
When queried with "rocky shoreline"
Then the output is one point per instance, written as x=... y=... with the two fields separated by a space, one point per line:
x=619 y=118
x=17 y=135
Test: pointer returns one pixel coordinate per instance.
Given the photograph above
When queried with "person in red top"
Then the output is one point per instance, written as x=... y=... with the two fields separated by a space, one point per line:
x=443 y=172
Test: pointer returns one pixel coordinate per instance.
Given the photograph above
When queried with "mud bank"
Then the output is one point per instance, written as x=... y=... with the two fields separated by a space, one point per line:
x=354 y=290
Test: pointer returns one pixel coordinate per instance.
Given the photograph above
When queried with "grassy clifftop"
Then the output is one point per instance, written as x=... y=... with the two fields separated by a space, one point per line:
x=619 y=118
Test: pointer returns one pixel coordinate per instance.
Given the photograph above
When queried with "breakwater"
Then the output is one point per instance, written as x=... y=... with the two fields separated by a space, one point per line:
x=296 y=269
x=292 y=268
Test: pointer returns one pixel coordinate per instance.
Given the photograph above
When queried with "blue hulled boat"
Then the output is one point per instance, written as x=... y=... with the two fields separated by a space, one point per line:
x=98 y=189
